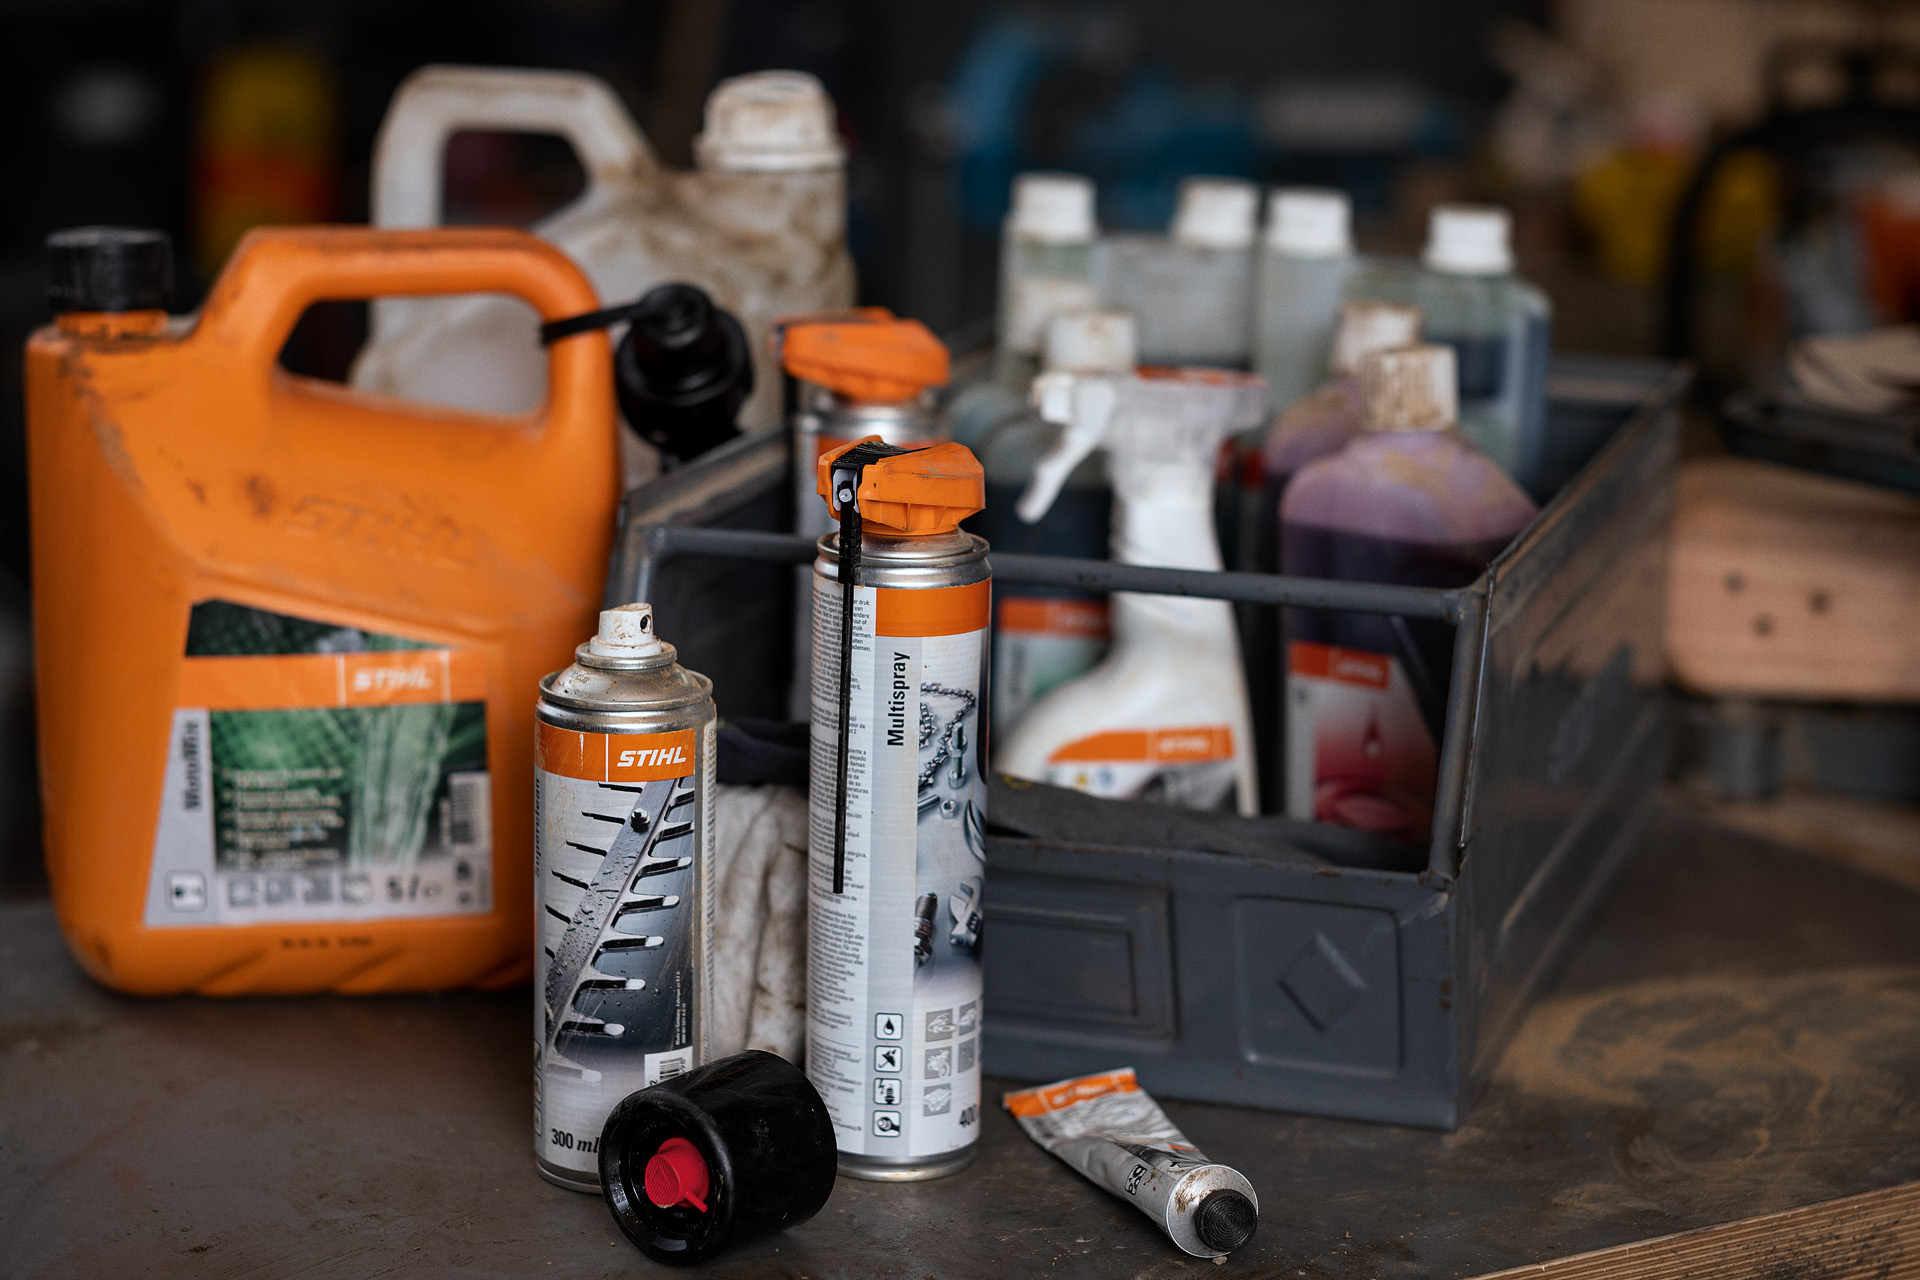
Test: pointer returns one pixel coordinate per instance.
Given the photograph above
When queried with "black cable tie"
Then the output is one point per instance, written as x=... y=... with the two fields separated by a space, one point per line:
x=554 y=330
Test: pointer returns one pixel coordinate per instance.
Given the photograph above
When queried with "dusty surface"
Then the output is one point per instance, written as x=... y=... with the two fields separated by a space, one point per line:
x=1740 y=1033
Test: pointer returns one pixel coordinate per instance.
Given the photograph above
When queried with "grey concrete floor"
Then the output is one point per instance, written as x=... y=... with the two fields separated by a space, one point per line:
x=1739 y=1033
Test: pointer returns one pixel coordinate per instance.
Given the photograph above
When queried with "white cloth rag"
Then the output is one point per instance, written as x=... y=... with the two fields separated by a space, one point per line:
x=759 y=998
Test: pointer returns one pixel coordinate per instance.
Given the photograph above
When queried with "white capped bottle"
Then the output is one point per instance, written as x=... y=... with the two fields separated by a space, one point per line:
x=1191 y=291
x=1306 y=257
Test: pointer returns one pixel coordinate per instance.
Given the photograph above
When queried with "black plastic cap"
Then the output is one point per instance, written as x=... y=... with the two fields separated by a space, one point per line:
x=682 y=371
x=109 y=269
x=1225 y=1221
x=766 y=1139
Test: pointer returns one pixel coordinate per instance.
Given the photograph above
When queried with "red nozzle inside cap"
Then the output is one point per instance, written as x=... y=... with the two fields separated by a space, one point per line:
x=677 y=1175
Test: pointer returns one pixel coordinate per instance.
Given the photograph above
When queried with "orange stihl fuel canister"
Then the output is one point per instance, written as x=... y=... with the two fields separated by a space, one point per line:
x=287 y=635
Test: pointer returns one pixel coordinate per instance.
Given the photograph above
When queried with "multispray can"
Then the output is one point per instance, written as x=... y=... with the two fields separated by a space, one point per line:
x=853 y=375
x=897 y=823
x=623 y=869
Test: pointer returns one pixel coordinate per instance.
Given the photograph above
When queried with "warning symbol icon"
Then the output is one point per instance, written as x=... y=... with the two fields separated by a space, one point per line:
x=888 y=1026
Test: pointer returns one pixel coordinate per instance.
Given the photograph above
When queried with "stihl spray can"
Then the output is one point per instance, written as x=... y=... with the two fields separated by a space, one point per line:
x=897 y=831
x=623 y=868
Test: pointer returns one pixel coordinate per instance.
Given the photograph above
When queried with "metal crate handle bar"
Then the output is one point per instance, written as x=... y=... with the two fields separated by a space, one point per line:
x=1465 y=607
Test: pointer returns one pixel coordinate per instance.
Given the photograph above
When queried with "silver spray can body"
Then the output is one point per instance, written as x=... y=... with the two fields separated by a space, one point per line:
x=894 y=949
x=624 y=896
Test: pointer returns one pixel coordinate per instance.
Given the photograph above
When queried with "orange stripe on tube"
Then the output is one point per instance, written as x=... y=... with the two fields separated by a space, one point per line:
x=936 y=611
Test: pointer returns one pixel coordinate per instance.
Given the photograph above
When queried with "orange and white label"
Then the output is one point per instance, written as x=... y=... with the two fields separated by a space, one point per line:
x=935 y=611
x=1346 y=666
x=613 y=757
x=293 y=681
x=1058 y=1097
x=1050 y=616
x=1195 y=744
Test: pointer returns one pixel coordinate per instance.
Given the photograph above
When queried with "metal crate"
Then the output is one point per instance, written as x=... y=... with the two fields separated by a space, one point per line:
x=1282 y=978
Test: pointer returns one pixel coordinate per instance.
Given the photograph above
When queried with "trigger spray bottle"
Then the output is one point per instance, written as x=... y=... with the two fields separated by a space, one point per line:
x=1165 y=715
x=897 y=808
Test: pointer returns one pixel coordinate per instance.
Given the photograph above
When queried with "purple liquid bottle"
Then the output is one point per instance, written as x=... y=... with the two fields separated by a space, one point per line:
x=1411 y=502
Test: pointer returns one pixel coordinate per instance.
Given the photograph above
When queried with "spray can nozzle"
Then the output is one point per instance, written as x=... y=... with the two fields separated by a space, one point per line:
x=1150 y=416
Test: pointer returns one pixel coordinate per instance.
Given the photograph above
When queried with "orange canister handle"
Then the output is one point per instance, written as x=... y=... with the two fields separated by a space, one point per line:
x=276 y=273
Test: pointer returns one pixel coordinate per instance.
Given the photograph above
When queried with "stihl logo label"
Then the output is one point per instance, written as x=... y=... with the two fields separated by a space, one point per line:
x=652 y=757
x=394 y=679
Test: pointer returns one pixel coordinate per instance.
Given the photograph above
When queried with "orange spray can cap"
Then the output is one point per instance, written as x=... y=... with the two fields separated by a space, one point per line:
x=873 y=361
x=914 y=491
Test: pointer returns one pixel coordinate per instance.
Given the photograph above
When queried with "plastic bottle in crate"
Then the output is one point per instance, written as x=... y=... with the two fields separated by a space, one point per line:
x=1306 y=257
x=1408 y=502
x=1191 y=291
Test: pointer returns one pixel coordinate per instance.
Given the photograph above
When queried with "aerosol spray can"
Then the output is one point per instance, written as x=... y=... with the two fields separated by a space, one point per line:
x=897 y=831
x=854 y=375
x=623 y=869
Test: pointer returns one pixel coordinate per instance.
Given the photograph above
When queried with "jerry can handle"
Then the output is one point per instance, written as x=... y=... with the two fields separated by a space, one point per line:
x=277 y=272
x=435 y=102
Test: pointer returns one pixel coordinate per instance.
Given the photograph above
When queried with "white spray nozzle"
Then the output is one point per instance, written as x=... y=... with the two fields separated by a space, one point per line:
x=1083 y=404
x=1168 y=418
x=1101 y=341
x=626 y=632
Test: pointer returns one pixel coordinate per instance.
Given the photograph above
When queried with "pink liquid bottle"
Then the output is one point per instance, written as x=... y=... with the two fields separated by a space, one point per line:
x=1323 y=421
x=1408 y=501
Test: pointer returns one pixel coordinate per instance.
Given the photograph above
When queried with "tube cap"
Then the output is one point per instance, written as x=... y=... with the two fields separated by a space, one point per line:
x=1216 y=213
x=915 y=493
x=1469 y=240
x=1101 y=341
x=1054 y=208
x=1310 y=222
x=1225 y=1220
x=1367 y=327
x=879 y=361
x=109 y=269
x=769 y=122
x=1411 y=389
x=626 y=632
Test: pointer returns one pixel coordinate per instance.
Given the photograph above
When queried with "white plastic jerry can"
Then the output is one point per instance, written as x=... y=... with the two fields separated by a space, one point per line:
x=759 y=223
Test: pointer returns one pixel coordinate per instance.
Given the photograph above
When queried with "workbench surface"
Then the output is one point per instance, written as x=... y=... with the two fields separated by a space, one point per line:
x=1738 y=1033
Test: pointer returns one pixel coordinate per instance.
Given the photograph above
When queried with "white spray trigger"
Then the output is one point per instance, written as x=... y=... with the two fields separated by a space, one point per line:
x=1085 y=405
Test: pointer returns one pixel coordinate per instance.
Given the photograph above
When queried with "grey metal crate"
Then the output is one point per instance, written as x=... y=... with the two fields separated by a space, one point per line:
x=1285 y=979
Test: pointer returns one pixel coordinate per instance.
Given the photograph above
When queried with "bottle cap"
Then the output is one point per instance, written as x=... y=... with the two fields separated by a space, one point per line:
x=1101 y=341
x=682 y=370
x=915 y=492
x=1054 y=208
x=1216 y=213
x=109 y=269
x=1411 y=389
x=1310 y=222
x=877 y=361
x=677 y=1176
x=626 y=632
x=1225 y=1220
x=720 y=1155
x=769 y=122
x=1367 y=327
x=1469 y=240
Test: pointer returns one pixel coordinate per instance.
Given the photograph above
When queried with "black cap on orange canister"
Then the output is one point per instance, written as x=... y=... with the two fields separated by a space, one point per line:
x=731 y=1151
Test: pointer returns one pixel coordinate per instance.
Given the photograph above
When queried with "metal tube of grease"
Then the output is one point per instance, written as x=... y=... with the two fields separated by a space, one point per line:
x=1109 y=1129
